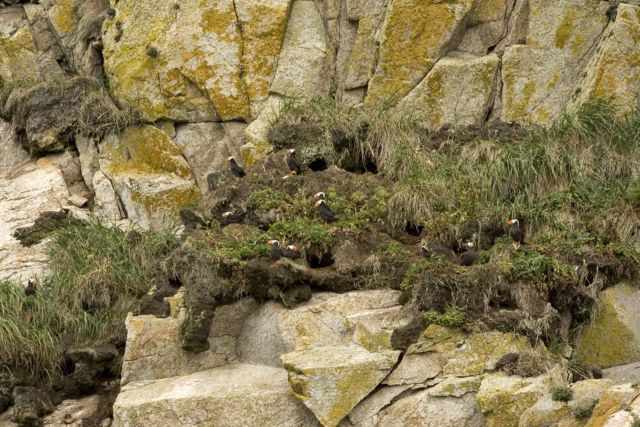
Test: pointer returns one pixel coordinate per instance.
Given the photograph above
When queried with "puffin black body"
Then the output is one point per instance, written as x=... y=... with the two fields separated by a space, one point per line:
x=292 y=162
x=31 y=288
x=325 y=212
x=232 y=217
x=469 y=257
x=516 y=231
x=430 y=249
x=191 y=220
x=235 y=168
x=275 y=251
x=612 y=12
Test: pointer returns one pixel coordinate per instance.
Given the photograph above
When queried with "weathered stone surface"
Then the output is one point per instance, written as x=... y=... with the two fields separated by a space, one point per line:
x=547 y=411
x=303 y=57
x=486 y=26
x=153 y=348
x=458 y=91
x=613 y=337
x=326 y=320
x=332 y=380
x=503 y=399
x=12 y=155
x=106 y=203
x=540 y=78
x=609 y=412
x=423 y=410
x=24 y=195
x=366 y=413
x=89 y=158
x=149 y=175
x=415 y=369
x=456 y=387
x=90 y=410
x=416 y=33
x=462 y=355
x=206 y=146
x=621 y=374
x=18 y=54
x=615 y=69
x=262 y=27
x=229 y=396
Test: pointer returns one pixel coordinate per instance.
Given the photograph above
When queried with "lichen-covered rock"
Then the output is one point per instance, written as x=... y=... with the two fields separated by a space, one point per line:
x=150 y=175
x=423 y=410
x=457 y=91
x=229 y=396
x=503 y=399
x=18 y=54
x=332 y=380
x=540 y=78
x=367 y=412
x=153 y=348
x=415 y=34
x=326 y=320
x=610 y=410
x=615 y=69
x=546 y=411
x=29 y=191
x=206 y=146
x=89 y=410
x=12 y=154
x=487 y=26
x=613 y=336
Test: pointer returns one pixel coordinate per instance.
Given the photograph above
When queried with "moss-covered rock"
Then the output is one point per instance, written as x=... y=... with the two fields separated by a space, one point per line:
x=150 y=175
x=331 y=381
x=613 y=336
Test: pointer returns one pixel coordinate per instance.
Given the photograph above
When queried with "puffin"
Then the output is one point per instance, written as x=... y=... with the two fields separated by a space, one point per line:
x=430 y=249
x=291 y=251
x=292 y=162
x=31 y=288
x=320 y=196
x=232 y=217
x=275 y=251
x=517 y=232
x=469 y=256
x=289 y=175
x=325 y=212
x=235 y=168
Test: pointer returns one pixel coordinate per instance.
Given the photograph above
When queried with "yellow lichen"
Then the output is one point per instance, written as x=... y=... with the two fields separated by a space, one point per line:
x=147 y=150
x=415 y=34
x=607 y=341
x=565 y=29
x=63 y=16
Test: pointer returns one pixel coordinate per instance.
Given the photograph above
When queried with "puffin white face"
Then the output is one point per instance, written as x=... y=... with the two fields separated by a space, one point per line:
x=469 y=244
x=292 y=151
x=319 y=195
x=273 y=243
x=292 y=247
x=227 y=214
x=319 y=203
x=513 y=221
x=230 y=158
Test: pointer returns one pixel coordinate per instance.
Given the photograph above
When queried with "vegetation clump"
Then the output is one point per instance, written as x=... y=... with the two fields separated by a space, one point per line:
x=561 y=394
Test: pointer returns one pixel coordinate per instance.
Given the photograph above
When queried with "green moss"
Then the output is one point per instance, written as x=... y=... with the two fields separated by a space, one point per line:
x=561 y=394
x=267 y=199
x=565 y=29
x=302 y=231
x=452 y=317
x=606 y=341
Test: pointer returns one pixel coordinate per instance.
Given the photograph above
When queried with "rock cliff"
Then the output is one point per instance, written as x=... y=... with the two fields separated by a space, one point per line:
x=417 y=306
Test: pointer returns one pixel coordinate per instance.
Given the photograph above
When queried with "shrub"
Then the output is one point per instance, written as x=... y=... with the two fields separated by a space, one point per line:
x=561 y=394
x=97 y=275
x=452 y=317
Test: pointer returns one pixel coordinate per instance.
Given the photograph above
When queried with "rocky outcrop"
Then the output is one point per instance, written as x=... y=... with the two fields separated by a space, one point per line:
x=234 y=395
x=612 y=338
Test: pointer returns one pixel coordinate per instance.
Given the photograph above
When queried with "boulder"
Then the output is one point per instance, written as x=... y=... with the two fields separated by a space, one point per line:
x=12 y=154
x=332 y=380
x=366 y=413
x=153 y=349
x=423 y=410
x=230 y=396
x=458 y=91
x=503 y=399
x=206 y=146
x=621 y=374
x=613 y=336
x=415 y=35
x=614 y=71
x=18 y=54
x=89 y=410
x=35 y=188
x=540 y=78
x=615 y=407
x=487 y=26
x=149 y=174
x=328 y=319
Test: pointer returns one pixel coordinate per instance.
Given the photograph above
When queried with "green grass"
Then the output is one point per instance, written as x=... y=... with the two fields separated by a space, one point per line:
x=561 y=394
x=97 y=275
x=452 y=317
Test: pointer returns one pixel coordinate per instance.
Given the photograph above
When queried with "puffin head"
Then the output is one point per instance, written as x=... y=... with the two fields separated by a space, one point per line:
x=291 y=151
x=319 y=203
x=227 y=214
x=273 y=243
x=292 y=248
x=513 y=222
x=320 y=195
x=231 y=159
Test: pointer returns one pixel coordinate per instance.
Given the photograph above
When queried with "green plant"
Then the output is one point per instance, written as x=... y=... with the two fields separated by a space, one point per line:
x=302 y=231
x=561 y=394
x=267 y=199
x=97 y=275
x=584 y=412
x=452 y=317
